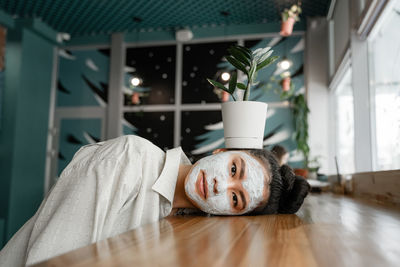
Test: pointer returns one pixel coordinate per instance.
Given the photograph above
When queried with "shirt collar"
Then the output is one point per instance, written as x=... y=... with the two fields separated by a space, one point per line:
x=166 y=182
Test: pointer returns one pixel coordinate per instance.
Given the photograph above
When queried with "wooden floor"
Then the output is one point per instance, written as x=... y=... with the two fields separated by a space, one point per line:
x=329 y=230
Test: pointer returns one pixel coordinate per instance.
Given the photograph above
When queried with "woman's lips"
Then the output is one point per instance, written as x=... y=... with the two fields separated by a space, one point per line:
x=201 y=185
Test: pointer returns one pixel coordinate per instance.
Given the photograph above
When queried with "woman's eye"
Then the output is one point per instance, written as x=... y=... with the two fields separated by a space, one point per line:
x=233 y=169
x=234 y=199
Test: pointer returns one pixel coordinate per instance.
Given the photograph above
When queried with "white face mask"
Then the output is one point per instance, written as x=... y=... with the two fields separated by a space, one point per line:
x=218 y=167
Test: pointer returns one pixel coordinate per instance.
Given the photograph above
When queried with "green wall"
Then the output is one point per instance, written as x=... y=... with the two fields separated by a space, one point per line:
x=23 y=134
x=1 y=229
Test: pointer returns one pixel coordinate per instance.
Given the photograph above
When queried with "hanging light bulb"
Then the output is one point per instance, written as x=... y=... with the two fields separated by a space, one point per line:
x=135 y=81
x=285 y=64
x=225 y=76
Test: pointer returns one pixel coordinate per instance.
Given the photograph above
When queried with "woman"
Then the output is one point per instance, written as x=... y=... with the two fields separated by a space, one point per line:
x=118 y=185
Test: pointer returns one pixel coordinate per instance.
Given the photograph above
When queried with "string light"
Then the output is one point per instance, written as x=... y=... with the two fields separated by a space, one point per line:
x=225 y=76
x=135 y=81
x=285 y=64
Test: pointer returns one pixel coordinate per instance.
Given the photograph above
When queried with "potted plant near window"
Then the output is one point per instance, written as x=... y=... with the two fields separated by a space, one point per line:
x=289 y=17
x=244 y=121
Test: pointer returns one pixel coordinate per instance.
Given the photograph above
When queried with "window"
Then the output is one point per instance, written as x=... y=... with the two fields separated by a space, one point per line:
x=166 y=97
x=344 y=109
x=155 y=69
x=384 y=65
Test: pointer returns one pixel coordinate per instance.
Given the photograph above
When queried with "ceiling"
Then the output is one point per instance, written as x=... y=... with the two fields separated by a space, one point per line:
x=93 y=17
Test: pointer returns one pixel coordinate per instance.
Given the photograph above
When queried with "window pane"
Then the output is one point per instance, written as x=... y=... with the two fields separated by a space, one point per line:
x=155 y=69
x=201 y=132
x=345 y=125
x=384 y=60
x=157 y=127
x=270 y=78
x=201 y=61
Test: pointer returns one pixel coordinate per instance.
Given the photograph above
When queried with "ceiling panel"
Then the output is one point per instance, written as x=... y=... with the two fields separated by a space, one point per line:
x=92 y=17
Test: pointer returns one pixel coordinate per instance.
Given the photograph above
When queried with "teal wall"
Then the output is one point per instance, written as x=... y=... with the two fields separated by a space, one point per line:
x=7 y=131
x=23 y=134
x=1 y=230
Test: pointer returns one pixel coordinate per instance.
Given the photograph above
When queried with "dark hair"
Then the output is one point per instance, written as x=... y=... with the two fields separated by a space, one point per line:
x=287 y=191
x=279 y=151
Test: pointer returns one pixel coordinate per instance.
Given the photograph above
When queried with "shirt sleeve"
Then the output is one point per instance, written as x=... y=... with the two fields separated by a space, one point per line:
x=83 y=205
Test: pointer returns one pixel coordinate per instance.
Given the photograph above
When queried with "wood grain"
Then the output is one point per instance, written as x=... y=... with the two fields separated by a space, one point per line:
x=329 y=230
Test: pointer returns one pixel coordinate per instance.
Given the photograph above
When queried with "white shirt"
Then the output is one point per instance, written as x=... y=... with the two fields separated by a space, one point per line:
x=107 y=189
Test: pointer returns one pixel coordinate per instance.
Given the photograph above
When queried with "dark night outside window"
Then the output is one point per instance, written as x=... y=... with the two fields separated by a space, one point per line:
x=193 y=125
x=157 y=127
x=156 y=67
x=201 y=61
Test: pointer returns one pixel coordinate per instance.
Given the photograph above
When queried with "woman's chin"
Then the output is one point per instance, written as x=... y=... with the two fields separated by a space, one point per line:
x=192 y=201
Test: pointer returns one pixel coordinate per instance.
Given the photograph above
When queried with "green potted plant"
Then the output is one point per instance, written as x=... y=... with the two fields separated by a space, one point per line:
x=286 y=81
x=300 y=116
x=299 y=107
x=289 y=17
x=313 y=167
x=244 y=121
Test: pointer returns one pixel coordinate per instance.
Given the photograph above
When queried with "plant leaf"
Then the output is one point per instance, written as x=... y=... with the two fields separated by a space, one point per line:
x=241 y=86
x=247 y=52
x=285 y=16
x=236 y=63
x=219 y=85
x=239 y=55
x=254 y=79
x=261 y=51
x=266 y=62
x=232 y=83
x=252 y=71
x=258 y=50
x=265 y=56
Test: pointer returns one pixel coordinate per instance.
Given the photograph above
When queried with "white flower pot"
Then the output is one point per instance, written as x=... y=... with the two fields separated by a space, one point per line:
x=244 y=124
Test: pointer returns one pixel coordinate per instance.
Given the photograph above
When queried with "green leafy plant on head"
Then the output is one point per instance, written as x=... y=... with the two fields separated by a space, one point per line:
x=293 y=12
x=249 y=62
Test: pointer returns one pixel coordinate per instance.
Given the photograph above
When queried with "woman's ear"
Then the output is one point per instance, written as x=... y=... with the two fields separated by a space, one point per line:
x=219 y=150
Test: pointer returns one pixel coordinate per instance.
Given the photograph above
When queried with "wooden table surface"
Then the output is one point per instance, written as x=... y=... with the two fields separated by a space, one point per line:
x=328 y=230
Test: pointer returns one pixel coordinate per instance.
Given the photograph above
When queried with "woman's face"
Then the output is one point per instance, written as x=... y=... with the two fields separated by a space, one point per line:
x=227 y=183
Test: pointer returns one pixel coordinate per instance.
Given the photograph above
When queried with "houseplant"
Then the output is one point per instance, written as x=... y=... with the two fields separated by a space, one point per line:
x=300 y=116
x=286 y=81
x=300 y=111
x=244 y=121
x=289 y=17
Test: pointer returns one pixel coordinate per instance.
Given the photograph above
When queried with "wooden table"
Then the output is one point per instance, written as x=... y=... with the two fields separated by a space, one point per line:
x=329 y=230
